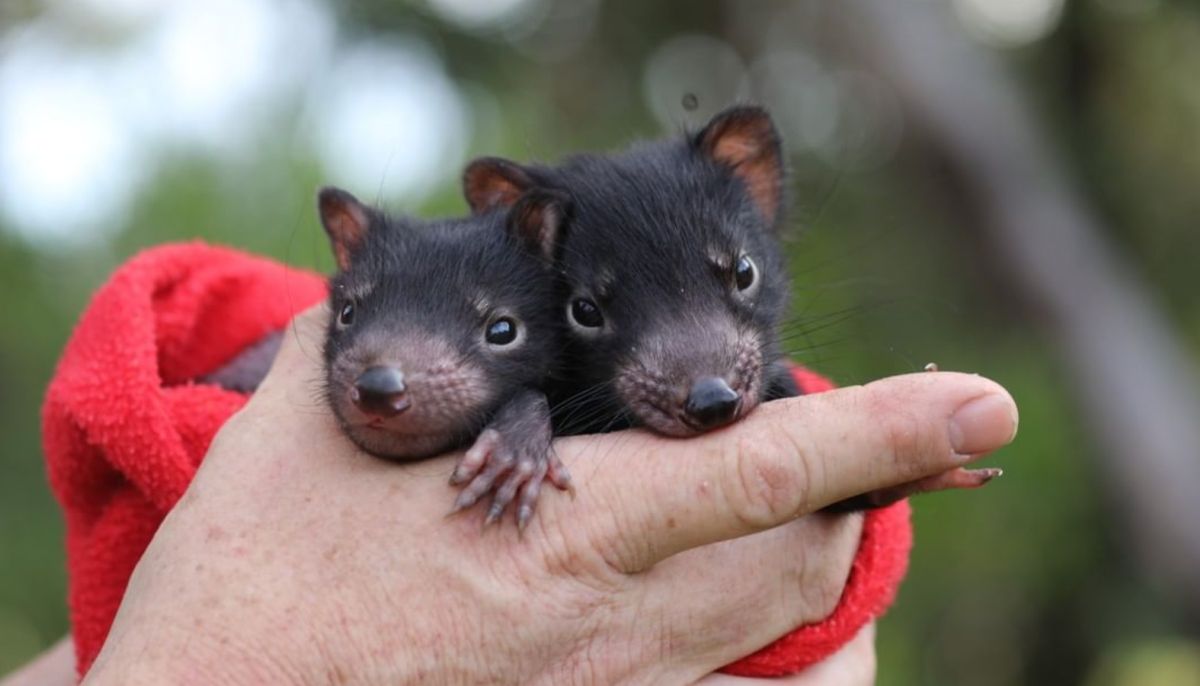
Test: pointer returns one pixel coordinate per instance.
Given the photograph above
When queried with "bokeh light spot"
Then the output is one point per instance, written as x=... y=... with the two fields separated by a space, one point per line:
x=1009 y=23
x=388 y=120
x=704 y=67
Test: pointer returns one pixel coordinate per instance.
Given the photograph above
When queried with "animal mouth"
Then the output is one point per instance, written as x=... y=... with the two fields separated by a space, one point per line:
x=667 y=407
x=662 y=420
x=690 y=423
x=398 y=407
x=675 y=421
x=389 y=425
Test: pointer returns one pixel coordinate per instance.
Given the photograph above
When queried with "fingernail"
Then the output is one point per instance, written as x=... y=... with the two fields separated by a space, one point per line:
x=983 y=424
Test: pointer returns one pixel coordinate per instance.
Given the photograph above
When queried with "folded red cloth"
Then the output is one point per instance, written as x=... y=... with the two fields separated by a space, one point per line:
x=125 y=425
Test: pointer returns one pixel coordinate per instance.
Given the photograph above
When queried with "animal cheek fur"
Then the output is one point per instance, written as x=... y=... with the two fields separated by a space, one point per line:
x=651 y=397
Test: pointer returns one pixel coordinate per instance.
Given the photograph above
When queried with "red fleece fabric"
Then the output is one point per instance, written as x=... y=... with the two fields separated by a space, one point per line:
x=125 y=425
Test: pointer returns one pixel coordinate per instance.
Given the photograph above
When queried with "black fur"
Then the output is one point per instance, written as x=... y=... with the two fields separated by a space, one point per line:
x=640 y=242
x=411 y=281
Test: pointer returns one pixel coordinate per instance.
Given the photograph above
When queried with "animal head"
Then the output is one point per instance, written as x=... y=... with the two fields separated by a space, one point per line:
x=672 y=277
x=434 y=323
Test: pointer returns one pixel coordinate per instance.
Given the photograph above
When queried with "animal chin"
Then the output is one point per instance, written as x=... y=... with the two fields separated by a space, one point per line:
x=393 y=445
x=411 y=434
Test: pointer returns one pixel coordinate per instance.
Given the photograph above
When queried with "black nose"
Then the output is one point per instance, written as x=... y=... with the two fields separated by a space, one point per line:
x=379 y=391
x=711 y=403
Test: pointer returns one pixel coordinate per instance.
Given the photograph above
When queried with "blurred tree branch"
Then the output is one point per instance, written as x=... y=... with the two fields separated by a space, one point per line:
x=1137 y=387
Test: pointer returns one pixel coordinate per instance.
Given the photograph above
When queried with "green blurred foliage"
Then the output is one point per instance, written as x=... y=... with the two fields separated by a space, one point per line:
x=1024 y=582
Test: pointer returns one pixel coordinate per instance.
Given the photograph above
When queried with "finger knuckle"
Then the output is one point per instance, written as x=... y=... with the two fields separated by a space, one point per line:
x=592 y=550
x=906 y=433
x=621 y=544
x=909 y=443
x=769 y=482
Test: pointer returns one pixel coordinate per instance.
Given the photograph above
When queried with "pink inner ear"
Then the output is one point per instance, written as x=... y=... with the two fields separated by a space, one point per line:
x=547 y=231
x=734 y=150
x=747 y=147
x=499 y=195
x=347 y=226
x=536 y=222
x=762 y=179
x=487 y=186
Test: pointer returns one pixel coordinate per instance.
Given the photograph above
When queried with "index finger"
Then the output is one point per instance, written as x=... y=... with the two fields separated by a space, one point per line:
x=788 y=458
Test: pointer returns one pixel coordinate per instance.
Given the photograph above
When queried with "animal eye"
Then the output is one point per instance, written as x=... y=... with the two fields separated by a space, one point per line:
x=744 y=273
x=586 y=313
x=346 y=315
x=501 y=332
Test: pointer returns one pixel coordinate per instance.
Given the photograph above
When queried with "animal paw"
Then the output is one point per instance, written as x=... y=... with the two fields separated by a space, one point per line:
x=512 y=465
x=953 y=479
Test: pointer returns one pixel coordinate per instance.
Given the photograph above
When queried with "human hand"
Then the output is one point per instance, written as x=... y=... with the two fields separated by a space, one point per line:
x=293 y=558
x=53 y=667
x=853 y=665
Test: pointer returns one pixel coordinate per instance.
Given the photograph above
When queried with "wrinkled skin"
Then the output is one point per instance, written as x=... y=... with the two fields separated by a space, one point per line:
x=290 y=561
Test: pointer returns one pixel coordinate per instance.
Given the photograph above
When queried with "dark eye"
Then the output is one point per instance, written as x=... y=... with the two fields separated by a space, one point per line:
x=744 y=273
x=346 y=315
x=501 y=332
x=586 y=314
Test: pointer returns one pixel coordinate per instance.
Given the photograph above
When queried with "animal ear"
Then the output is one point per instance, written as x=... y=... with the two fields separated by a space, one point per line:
x=744 y=139
x=538 y=221
x=491 y=182
x=346 y=220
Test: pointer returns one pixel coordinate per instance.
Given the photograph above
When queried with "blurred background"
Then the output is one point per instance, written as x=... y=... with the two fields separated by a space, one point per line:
x=1010 y=187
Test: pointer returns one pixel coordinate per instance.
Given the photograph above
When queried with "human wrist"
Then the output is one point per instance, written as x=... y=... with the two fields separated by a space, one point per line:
x=151 y=655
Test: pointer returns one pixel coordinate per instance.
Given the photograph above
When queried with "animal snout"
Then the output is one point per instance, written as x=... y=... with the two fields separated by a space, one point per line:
x=710 y=403
x=379 y=391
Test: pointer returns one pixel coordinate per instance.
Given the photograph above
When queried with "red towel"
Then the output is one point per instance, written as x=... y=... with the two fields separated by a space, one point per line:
x=124 y=427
